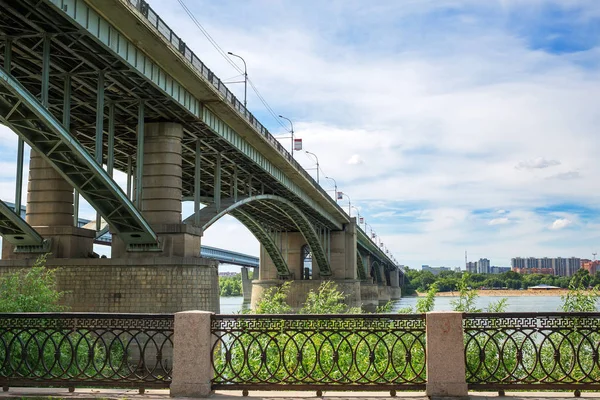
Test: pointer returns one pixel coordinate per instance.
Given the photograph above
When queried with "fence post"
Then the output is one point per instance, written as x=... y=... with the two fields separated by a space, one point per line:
x=445 y=355
x=192 y=367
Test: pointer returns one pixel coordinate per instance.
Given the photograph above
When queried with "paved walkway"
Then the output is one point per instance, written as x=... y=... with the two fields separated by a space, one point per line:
x=114 y=394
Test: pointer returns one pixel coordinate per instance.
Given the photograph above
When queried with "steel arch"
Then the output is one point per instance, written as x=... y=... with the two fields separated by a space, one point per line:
x=27 y=117
x=375 y=265
x=265 y=239
x=295 y=215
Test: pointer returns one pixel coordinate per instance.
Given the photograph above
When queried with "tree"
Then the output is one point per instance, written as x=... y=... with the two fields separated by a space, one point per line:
x=273 y=300
x=326 y=300
x=31 y=290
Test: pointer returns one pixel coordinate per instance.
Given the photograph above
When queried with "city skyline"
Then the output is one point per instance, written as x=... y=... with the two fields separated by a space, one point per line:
x=446 y=136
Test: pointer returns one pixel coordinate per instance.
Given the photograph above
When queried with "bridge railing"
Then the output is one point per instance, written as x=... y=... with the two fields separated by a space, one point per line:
x=85 y=349
x=154 y=19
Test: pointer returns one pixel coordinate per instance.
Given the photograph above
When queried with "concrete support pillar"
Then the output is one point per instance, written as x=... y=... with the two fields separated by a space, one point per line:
x=445 y=355
x=50 y=212
x=343 y=252
x=246 y=285
x=395 y=291
x=192 y=346
x=162 y=193
x=161 y=182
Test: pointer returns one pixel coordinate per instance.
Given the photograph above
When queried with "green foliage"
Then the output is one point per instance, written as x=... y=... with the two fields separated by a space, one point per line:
x=498 y=306
x=426 y=304
x=273 y=300
x=31 y=290
x=385 y=309
x=326 y=300
x=466 y=298
x=578 y=299
x=230 y=285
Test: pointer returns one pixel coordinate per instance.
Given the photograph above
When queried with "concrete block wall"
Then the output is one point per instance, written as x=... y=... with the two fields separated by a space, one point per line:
x=151 y=285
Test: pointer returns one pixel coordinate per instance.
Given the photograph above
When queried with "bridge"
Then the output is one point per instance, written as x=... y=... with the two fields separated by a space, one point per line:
x=98 y=86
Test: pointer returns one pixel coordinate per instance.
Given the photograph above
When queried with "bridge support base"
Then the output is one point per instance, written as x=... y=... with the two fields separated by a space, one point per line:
x=369 y=296
x=148 y=285
x=299 y=289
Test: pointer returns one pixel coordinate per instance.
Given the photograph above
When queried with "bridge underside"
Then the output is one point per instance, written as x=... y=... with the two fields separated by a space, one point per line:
x=89 y=102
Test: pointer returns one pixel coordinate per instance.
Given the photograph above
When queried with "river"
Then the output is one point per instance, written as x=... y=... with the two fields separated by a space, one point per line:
x=232 y=305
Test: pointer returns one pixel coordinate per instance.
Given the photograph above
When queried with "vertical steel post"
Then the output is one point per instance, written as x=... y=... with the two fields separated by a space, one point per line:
x=197 y=181
x=139 y=167
x=66 y=121
x=235 y=183
x=217 y=183
x=8 y=55
x=46 y=71
x=329 y=246
x=99 y=129
x=19 y=177
x=250 y=185
x=110 y=159
x=129 y=177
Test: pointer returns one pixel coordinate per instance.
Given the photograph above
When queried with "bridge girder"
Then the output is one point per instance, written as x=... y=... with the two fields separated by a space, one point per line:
x=28 y=118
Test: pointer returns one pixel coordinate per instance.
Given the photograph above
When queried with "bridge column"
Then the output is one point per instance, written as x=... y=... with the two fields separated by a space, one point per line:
x=343 y=265
x=395 y=291
x=50 y=212
x=162 y=193
x=369 y=292
x=246 y=285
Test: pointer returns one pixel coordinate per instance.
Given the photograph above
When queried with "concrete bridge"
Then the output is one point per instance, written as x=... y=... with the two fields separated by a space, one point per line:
x=98 y=86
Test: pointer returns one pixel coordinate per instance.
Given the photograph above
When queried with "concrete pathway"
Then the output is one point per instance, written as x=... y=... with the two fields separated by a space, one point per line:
x=118 y=394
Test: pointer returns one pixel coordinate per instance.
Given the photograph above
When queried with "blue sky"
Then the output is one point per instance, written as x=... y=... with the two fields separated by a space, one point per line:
x=452 y=124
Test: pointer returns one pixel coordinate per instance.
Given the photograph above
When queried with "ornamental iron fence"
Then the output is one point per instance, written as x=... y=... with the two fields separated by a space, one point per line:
x=85 y=349
x=319 y=352
x=532 y=351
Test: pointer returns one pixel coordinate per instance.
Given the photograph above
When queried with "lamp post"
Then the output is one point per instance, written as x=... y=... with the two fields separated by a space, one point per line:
x=357 y=212
x=334 y=187
x=291 y=131
x=245 y=77
x=349 y=203
x=316 y=158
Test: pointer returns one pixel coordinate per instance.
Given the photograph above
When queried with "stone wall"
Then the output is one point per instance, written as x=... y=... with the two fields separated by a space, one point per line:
x=150 y=285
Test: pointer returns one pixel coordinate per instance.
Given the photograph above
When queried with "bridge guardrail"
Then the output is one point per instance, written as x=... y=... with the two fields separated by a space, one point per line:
x=86 y=349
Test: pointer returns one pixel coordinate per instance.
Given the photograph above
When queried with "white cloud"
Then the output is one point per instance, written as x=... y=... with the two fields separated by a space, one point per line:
x=501 y=211
x=565 y=176
x=499 y=221
x=561 y=223
x=537 y=163
x=355 y=160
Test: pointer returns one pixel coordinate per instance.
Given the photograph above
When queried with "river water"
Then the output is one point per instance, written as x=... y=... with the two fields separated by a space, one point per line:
x=232 y=305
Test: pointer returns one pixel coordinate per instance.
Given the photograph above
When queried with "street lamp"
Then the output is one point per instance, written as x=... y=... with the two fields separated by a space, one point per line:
x=334 y=187
x=291 y=131
x=349 y=203
x=245 y=76
x=357 y=212
x=316 y=158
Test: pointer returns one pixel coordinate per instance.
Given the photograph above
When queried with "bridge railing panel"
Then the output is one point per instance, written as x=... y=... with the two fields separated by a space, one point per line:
x=85 y=349
x=319 y=352
x=532 y=351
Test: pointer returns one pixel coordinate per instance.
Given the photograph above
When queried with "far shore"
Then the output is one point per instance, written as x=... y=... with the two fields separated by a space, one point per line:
x=507 y=293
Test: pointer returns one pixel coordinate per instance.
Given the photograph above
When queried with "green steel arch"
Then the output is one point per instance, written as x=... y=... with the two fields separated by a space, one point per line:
x=289 y=209
x=265 y=239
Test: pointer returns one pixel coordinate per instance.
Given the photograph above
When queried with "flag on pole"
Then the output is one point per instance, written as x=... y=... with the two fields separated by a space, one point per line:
x=340 y=195
x=297 y=144
x=361 y=220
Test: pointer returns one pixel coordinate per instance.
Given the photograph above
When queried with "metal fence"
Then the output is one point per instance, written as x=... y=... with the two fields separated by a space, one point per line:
x=85 y=349
x=319 y=352
x=532 y=351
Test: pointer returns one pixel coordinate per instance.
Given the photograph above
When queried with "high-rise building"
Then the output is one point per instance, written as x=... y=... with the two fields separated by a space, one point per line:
x=472 y=267
x=559 y=266
x=545 y=263
x=517 y=262
x=531 y=262
x=573 y=265
x=483 y=266
x=591 y=266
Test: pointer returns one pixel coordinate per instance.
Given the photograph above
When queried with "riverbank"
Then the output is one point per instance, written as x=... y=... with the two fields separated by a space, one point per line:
x=507 y=293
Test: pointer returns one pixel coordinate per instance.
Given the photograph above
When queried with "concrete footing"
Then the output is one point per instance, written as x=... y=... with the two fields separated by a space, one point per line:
x=147 y=285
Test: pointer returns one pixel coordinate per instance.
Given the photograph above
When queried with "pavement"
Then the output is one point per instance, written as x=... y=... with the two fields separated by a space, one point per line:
x=156 y=394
